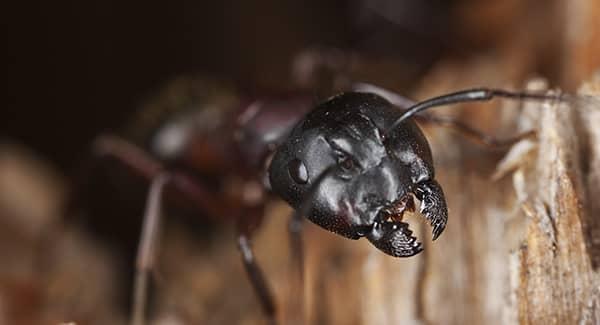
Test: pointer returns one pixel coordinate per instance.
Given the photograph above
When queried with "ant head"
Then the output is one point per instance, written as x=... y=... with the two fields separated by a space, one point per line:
x=353 y=179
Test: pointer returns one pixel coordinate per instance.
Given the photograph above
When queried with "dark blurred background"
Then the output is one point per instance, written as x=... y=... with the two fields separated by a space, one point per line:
x=73 y=69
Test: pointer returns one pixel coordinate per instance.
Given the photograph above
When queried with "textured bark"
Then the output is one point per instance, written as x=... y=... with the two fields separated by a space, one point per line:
x=582 y=40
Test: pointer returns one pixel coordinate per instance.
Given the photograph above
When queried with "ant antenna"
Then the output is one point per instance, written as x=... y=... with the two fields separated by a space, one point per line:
x=471 y=95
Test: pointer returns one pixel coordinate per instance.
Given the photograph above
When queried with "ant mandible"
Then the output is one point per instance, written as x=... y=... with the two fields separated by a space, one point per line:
x=352 y=165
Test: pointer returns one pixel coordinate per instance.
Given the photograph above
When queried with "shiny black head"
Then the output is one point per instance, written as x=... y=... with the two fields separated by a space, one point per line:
x=373 y=172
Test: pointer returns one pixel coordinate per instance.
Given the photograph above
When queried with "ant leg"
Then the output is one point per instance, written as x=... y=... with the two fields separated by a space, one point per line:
x=146 y=249
x=296 y=294
x=146 y=255
x=255 y=274
x=472 y=133
x=148 y=167
x=296 y=305
x=127 y=153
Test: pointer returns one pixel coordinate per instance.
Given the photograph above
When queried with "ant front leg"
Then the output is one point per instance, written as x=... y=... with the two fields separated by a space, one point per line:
x=145 y=261
x=146 y=249
x=146 y=252
x=246 y=227
x=296 y=294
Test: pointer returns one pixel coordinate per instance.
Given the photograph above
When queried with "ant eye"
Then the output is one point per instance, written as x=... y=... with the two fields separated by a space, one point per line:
x=346 y=163
x=298 y=171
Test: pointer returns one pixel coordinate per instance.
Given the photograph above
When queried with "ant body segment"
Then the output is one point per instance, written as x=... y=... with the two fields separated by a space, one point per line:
x=352 y=165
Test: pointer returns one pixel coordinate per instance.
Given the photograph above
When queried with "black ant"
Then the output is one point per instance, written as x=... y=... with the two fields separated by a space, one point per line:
x=352 y=164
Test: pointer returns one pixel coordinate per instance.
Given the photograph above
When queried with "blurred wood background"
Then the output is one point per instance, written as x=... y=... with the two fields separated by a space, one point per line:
x=523 y=240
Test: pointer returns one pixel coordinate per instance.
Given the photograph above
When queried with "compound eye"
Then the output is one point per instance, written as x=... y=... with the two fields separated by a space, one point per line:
x=346 y=163
x=298 y=171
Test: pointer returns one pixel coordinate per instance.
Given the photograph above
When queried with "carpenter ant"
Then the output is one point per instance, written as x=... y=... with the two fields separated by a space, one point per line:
x=352 y=165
